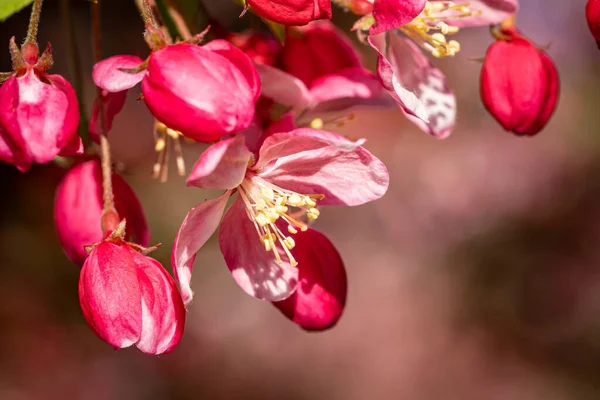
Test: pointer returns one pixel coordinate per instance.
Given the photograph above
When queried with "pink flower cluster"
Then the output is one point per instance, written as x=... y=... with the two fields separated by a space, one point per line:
x=262 y=106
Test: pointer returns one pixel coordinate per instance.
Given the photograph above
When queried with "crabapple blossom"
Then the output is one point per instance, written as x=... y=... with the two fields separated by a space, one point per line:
x=278 y=190
x=128 y=298
x=519 y=84
x=39 y=113
x=204 y=92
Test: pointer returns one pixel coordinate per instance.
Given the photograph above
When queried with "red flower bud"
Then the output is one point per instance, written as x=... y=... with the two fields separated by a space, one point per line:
x=292 y=12
x=39 y=113
x=319 y=301
x=519 y=84
x=592 y=13
x=204 y=92
x=78 y=210
x=317 y=50
x=128 y=298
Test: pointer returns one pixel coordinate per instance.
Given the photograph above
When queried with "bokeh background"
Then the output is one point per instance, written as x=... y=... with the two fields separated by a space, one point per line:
x=476 y=277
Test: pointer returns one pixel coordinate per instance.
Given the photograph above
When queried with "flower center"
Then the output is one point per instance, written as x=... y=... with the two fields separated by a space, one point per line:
x=429 y=30
x=268 y=206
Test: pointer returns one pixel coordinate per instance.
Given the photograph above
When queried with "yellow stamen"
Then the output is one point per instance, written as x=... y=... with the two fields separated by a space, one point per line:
x=266 y=204
x=433 y=18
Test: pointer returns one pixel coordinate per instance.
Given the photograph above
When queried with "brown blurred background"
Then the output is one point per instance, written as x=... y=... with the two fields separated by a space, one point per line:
x=476 y=277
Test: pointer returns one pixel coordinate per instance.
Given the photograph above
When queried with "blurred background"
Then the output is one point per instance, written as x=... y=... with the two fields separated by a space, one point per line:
x=476 y=277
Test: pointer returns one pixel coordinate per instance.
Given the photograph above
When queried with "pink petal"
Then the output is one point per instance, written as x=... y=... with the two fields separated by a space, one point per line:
x=73 y=148
x=356 y=83
x=163 y=312
x=405 y=71
x=283 y=144
x=197 y=227
x=253 y=268
x=113 y=104
x=108 y=76
x=319 y=301
x=346 y=177
x=492 y=12
x=391 y=14
x=109 y=294
x=222 y=166
x=12 y=153
x=240 y=60
x=284 y=88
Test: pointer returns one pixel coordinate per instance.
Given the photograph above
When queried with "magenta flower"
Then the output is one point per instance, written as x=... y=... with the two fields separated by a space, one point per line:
x=204 y=92
x=414 y=83
x=78 y=210
x=128 y=298
x=39 y=113
x=279 y=189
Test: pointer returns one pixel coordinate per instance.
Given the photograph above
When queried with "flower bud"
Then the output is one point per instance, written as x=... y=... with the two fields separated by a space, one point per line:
x=204 y=92
x=78 y=208
x=292 y=12
x=39 y=113
x=319 y=301
x=128 y=298
x=592 y=13
x=317 y=50
x=519 y=84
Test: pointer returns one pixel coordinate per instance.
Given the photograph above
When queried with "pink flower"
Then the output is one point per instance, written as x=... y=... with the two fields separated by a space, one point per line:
x=316 y=50
x=292 y=12
x=519 y=84
x=414 y=83
x=39 y=113
x=128 y=298
x=292 y=173
x=592 y=13
x=204 y=92
x=319 y=300
x=78 y=209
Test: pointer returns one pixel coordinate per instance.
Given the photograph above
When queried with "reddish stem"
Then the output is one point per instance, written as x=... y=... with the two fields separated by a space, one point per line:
x=34 y=21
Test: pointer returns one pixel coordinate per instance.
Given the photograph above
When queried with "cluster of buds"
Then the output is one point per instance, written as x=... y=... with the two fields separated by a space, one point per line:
x=261 y=105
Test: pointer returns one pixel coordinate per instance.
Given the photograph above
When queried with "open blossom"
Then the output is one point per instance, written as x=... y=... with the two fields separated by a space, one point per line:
x=39 y=113
x=204 y=92
x=128 y=298
x=414 y=83
x=292 y=12
x=78 y=208
x=519 y=84
x=293 y=173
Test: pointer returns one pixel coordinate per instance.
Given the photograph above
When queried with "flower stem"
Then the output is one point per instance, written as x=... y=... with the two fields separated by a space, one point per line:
x=34 y=21
x=109 y=213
